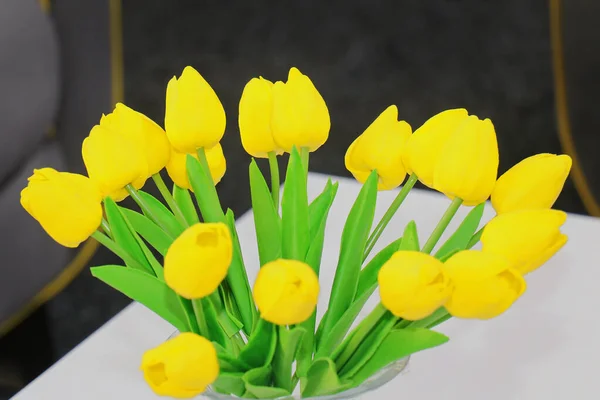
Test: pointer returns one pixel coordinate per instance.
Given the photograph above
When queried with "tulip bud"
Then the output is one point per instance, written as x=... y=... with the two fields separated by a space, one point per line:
x=194 y=115
x=67 y=206
x=300 y=115
x=256 y=110
x=177 y=166
x=412 y=285
x=286 y=292
x=425 y=145
x=113 y=161
x=534 y=183
x=485 y=285
x=467 y=167
x=141 y=130
x=526 y=238
x=181 y=367
x=380 y=148
x=198 y=260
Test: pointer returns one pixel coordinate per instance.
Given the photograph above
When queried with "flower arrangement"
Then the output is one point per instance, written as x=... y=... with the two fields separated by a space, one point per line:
x=265 y=342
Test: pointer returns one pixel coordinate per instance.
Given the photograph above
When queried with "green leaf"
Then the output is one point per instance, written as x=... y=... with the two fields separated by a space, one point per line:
x=261 y=346
x=204 y=190
x=237 y=280
x=216 y=333
x=368 y=276
x=230 y=383
x=186 y=205
x=410 y=239
x=367 y=347
x=147 y=229
x=354 y=237
x=398 y=344
x=266 y=218
x=322 y=379
x=161 y=212
x=228 y=362
x=460 y=239
x=318 y=207
x=124 y=236
x=294 y=211
x=288 y=342
x=258 y=382
x=145 y=289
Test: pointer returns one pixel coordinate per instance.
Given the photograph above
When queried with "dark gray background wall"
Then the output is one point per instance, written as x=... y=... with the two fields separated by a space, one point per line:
x=492 y=57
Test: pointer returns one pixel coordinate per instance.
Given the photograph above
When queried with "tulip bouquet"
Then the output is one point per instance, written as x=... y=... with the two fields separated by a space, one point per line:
x=265 y=342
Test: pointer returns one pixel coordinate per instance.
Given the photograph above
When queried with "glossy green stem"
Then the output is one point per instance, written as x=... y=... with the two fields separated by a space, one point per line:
x=106 y=227
x=274 y=169
x=144 y=207
x=200 y=318
x=442 y=225
x=166 y=194
x=387 y=217
x=116 y=249
x=304 y=156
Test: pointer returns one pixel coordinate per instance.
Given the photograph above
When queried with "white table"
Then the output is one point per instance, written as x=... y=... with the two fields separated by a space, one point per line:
x=546 y=347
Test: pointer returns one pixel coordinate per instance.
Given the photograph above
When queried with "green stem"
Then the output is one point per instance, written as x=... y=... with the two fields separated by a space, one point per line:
x=442 y=225
x=166 y=194
x=274 y=168
x=304 y=153
x=476 y=237
x=144 y=207
x=116 y=249
x=212 y=205
x=201 y=318
x=106 y=227
x=385 y=220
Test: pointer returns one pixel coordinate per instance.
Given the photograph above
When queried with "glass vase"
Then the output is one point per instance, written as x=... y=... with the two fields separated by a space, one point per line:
x=379 y=379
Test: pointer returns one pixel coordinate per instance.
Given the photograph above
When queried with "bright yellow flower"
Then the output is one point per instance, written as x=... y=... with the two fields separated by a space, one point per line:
x=198 y=260
x=177 y=170
x=286 y=292
x=424 y=147
x=485 y=285
x=181 y=367
x=142 y=131
x=380 y=148
x=467 y=167
x=412 y=285
x=67 y=206
x=194 y=115
x=534 y=183
x=114 y=161
x=526 y=238
x=300 y=115
x=256 y=110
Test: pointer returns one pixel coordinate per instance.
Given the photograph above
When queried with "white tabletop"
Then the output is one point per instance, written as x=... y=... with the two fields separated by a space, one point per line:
x=545 y=347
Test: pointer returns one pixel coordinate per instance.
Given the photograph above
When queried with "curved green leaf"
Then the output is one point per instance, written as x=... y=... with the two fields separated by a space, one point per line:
x=163 y=214
x=258 y=384
x=288 y=342
x=294 y=211
x=230 y=383
x=322 y=379
x=266 y=218
x=461 y=238
x=145 y=289
x=398 y=344
x=148 y=230
x=186 y=205
x=410 y=241
x=367 y=280
x=204 y=190
x=261 y=346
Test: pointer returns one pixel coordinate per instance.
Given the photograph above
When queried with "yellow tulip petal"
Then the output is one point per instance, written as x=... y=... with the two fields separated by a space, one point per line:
x=177 y=170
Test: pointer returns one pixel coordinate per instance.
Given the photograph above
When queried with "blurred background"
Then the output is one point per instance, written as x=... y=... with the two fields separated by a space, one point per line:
x=528 y=65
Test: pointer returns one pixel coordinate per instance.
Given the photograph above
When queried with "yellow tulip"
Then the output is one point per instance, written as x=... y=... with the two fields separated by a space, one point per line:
x=142 y=131
x=181 y=367
x=194 y=115
x=67 y=206
x=198 y=260
x=256 y=109
x=177 y=170
x=286 y=292
x=534 y=183
x=485 y=285
x=113 y=161
x=300 y=115
x=467 y=167
x=424 y=147
x=380 y=148
x=526 y=238
x=412 y=285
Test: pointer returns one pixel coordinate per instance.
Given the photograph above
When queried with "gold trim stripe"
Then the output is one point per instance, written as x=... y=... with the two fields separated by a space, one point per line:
x=562 y=110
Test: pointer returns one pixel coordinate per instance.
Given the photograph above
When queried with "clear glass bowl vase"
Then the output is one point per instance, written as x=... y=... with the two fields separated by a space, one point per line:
x=379 y=379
